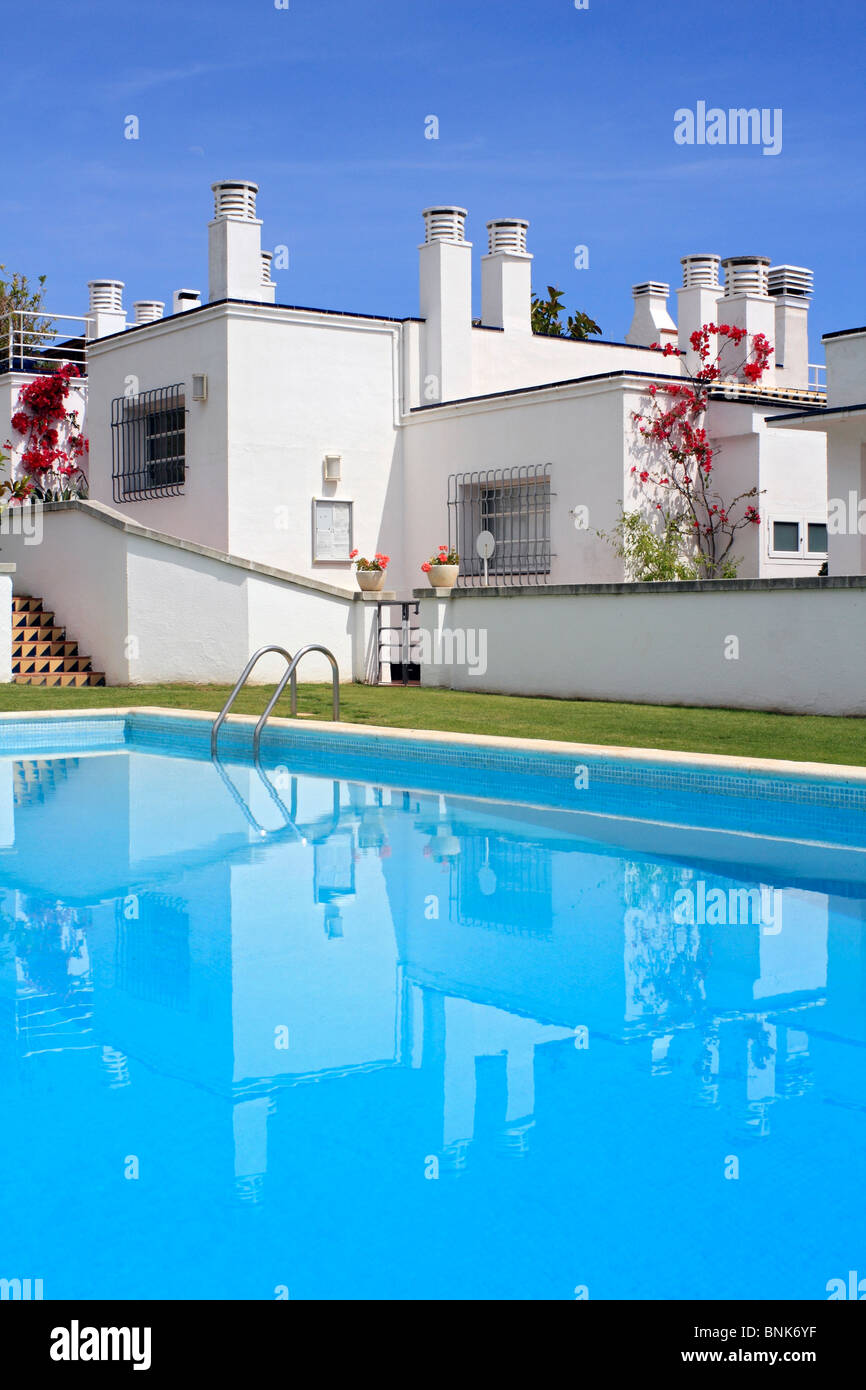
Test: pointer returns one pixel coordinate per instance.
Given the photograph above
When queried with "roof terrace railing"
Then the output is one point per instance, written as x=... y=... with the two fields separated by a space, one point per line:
x=33 y=340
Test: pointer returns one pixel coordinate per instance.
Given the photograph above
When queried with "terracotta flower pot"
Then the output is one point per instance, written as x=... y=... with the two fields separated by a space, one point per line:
x=443 y=576
x=371 y=580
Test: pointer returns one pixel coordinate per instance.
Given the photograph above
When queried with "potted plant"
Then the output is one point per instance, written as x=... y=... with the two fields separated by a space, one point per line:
x=370 y=573
x=442 y=569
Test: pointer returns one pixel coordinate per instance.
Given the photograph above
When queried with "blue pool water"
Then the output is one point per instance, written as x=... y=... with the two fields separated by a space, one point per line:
x=399 y=1023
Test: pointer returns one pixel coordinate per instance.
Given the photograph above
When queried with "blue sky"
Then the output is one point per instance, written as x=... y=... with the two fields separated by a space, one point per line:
x=559 y=115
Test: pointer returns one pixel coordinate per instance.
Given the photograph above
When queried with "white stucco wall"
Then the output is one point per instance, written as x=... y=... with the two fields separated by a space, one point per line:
x=146 y=610
x=163 y=354
x=665 y=644
x=506 y=361
x=301 y=386
x=577 y=429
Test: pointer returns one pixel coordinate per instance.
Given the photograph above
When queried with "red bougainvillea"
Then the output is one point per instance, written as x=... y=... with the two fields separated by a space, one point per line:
x=678 y=477
x=54 y=447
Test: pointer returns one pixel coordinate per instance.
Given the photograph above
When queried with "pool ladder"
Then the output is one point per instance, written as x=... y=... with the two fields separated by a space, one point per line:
x=288 y=675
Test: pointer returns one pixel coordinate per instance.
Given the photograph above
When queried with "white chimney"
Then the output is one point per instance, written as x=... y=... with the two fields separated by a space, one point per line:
x=790 y=286
x=506 y=277
x=185 y=299
x=651 y=322
x=235 y=243
x=148 y=310
x=445 y=265
x=747 y=304
x=697 y=301
x=105 y=314
x=269 y=289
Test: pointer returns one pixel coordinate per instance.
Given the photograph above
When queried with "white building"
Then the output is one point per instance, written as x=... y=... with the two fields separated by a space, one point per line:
x=285 y=437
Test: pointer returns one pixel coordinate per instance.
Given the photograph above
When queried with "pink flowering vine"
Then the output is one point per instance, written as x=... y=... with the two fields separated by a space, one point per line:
x=54 y=447
x=679 y=481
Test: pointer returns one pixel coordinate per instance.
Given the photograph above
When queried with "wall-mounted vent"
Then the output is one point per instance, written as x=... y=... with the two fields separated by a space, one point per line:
x=507 y=234
x=236 y=199
x=148 y=310
x=790 y=279
x=445 y=224
x=199 y=386
x=746 y=275
x=700 y=272
x=267 y=257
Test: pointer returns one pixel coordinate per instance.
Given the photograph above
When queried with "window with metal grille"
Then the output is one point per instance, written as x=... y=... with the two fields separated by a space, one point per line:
x=513 y=504
x=148 y=444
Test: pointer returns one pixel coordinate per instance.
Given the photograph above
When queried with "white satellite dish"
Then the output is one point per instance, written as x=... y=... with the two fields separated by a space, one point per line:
x=485 y=545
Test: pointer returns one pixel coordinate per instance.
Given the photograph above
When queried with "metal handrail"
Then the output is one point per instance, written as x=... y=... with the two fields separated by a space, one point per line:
x=290 y=676
x=241 y=681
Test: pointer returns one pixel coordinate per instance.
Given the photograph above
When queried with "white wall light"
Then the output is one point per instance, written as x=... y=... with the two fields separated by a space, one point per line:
x=333 y=468
x=199 y=386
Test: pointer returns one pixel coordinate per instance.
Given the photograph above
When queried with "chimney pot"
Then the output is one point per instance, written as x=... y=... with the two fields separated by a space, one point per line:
x=148 y=310
x=746 y=275
x=700 y=271
x=235 y=199
x=185 y=299
x=507 y=234
x=445 y=224
x=790 y=279
x=106 y=296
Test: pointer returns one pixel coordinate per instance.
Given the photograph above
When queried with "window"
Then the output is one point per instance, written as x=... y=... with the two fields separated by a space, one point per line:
x=332 y=529
x=148 y=444
x=786 y=537
x=817 y=537
x=801 y=538
x=513 y=504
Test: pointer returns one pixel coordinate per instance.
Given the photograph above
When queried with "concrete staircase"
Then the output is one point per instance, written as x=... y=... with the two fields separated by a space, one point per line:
x=41 y=652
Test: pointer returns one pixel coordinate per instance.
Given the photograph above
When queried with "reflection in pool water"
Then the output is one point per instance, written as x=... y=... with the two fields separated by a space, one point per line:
x=351 y=1040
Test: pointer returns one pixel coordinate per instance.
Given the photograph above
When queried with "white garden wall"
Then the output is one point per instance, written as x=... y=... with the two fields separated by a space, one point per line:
x=148 y=609
x=789 y=645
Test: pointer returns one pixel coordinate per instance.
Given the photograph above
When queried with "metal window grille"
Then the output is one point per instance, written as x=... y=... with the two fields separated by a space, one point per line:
x=514 y=505
x=148 y=444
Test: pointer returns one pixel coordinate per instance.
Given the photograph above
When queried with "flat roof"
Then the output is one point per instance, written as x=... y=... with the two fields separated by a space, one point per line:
x=827 y=410
x=843 y=333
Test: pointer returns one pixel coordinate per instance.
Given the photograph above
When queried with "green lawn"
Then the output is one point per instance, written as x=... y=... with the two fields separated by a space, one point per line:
x=737 y=732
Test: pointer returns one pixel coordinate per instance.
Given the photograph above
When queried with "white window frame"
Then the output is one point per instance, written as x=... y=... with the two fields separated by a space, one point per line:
x=320 y=558
x=815 y=554
x=802 y=552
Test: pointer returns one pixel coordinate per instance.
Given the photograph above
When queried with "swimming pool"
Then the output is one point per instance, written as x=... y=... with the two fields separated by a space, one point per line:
x=393 y=1018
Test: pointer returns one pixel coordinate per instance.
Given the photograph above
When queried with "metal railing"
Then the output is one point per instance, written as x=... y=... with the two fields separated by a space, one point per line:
x=289 y=675
x=32 y=340
x=239 y=684
x=513 y=505
x=817 y=376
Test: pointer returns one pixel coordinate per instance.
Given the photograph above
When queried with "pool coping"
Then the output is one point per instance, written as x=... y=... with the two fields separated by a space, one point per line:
x=779 y=767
